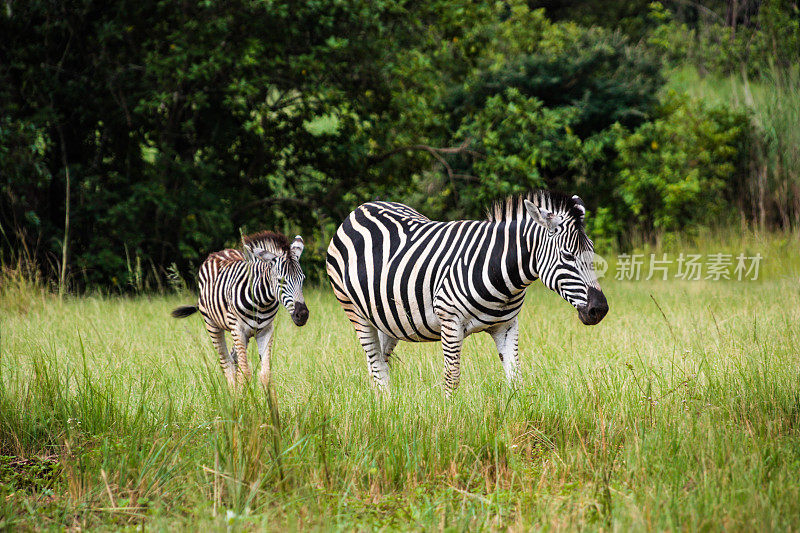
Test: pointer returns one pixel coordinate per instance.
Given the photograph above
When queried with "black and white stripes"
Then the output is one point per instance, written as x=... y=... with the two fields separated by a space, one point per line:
x=240 y=292
x=401 y=276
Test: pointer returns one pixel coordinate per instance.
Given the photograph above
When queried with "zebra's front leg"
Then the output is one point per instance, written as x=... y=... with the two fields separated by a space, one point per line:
x=376 y=362
x=506 y=337
x=240 y=340
x=388 y=345
x=452 y=340
x=264 y=342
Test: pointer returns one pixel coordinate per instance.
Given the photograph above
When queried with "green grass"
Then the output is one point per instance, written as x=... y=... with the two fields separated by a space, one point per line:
x=114 y=415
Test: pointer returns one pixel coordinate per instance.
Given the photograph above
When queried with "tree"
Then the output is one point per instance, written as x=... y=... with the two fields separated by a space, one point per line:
x=183 y=122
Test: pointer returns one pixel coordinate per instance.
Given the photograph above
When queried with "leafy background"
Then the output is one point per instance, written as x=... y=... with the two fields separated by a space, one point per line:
x=170 y=127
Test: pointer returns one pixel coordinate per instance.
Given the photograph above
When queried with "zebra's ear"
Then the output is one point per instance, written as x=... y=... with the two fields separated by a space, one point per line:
x=579 y=205
x=297 y=246
x=542 y=216
x=265 y=255
x=257 y=254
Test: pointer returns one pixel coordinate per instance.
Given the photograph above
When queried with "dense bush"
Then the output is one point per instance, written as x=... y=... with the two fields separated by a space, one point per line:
x=541 y=115
x=26 y=182
x=767 y=39
x=749 y=60
x=578 y=110
x=680 y=170
x=183 y=124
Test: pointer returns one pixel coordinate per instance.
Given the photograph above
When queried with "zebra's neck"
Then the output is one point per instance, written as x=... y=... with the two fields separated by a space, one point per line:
x=509 y=260
x=259 y=288
x=525 y=240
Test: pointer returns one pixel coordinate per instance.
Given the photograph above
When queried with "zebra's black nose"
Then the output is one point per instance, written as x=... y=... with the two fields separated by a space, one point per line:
x=300 y=314
x=596 y=308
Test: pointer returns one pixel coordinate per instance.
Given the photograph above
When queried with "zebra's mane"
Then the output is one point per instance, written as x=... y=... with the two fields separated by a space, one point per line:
x=513 y=207
x=270 y=241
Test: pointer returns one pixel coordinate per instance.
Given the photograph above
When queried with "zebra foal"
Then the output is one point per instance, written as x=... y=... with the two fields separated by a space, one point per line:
x=240 y=292
x=400 y=276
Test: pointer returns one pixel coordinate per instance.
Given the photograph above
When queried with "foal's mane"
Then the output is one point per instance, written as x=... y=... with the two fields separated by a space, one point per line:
x=271 y=241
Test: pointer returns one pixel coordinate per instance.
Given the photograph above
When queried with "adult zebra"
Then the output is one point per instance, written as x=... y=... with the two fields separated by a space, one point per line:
x=240 y=292
x=400 y=276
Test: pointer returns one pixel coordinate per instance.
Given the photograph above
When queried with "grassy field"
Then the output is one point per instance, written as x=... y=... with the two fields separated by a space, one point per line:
x=680 y=411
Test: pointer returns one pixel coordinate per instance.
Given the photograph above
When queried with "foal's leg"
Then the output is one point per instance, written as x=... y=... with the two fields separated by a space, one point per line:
x=264 y=341
x=240 y=340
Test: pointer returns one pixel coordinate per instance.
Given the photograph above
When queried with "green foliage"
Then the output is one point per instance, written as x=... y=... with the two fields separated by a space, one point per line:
x=597 y=72
x=577 y=110
x=769 y=38
x=679 y=170
x=541 y=113
x=184 y=124
x=777 y=43
x=25 y=184
x=771 y=194
x=670 y=38
x=32 y=475
x=605 y=225
x=630 y=16
x=521 y=140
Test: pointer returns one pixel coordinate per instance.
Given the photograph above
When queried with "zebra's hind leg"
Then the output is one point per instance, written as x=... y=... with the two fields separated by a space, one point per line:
x=226 y=360
x=506 y=337
x=368 y=335
x=370 y=340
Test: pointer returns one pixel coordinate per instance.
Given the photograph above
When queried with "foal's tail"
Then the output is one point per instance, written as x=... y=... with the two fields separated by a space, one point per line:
x=184 y=311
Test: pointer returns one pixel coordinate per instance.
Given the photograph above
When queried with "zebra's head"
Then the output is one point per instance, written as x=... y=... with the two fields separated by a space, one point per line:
x=563 y=255
x=284 y=273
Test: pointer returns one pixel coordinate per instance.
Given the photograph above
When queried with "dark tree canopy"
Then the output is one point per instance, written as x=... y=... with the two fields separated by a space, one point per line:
x=171 y=127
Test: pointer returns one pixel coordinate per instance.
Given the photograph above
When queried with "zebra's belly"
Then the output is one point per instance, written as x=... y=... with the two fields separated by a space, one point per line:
x=485 y=321
x=252 y=325
x=431 y=330
x=402 y=317
x=425 y=326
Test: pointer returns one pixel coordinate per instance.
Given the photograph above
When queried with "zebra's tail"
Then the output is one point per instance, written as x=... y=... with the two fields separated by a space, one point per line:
x=184 y=311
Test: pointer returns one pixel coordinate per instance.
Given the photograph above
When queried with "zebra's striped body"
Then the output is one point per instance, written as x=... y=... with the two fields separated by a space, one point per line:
x=229 y=298
x=401 y=276
x=240 y=292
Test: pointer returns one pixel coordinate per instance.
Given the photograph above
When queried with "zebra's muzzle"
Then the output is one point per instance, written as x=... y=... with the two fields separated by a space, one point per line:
x=596 y=308
x=300 y=314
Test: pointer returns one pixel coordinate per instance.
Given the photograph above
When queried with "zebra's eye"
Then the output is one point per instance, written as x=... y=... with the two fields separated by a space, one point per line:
x=568 y=256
